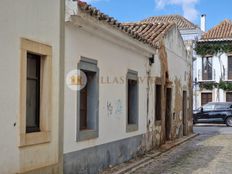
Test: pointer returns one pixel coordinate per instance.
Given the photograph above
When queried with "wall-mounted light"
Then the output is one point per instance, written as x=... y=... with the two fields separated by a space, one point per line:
x=151 y=59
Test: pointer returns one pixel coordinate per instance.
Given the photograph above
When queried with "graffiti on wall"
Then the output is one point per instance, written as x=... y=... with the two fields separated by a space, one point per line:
x=114 y=108
x=109 y=108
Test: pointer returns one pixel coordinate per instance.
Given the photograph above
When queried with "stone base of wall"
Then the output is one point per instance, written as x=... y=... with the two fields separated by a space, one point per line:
x=93 y=160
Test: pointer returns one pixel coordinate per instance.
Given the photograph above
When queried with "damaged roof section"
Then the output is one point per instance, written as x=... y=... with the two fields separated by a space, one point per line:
x=221 y=32
x=180 y=21
x=148 y=33
x=152 y=32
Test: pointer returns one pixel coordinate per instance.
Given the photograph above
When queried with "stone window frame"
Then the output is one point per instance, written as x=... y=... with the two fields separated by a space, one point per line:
x=132 y=75
x=45 y=51
x=82 y=135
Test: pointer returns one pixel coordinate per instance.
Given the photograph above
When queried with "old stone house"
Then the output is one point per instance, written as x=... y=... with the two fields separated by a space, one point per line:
x=139 y=81
x=213 y=72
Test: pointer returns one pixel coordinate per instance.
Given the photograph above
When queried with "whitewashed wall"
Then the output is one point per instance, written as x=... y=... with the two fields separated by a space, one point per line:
x=39 y=21
x=114 y=59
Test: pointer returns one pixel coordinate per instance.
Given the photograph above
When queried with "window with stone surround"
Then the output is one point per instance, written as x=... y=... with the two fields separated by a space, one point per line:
x=88 y=101
x=132 y=101
x=35 y=93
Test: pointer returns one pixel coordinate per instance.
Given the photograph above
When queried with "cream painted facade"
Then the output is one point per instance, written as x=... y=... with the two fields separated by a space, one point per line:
x=40 y=23
x=115 y=53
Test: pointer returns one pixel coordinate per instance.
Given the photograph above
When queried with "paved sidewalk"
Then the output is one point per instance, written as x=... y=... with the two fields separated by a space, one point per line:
x=146 y=159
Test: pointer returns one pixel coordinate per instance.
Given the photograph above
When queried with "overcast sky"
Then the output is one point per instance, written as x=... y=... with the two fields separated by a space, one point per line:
x=135 y=10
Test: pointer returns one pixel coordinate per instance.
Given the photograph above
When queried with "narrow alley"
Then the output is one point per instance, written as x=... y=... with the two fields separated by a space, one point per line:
x=208 y=153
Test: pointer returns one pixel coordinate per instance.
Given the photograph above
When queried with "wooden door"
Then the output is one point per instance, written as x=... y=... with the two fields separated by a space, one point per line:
x=206 y=98
x=229 y=96
x=168 y=114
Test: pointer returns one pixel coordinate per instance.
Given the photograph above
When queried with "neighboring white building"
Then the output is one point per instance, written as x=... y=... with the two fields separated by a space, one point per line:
x=214 y=69
x=136 y=98
x=31 y=51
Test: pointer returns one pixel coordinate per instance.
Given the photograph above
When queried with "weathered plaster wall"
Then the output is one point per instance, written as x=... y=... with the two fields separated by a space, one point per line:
x=174 y=71
x=179 y=68
x=39 y=21
x=153 y=128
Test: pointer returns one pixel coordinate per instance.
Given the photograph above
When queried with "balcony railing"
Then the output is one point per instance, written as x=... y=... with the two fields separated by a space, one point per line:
x=209 y=78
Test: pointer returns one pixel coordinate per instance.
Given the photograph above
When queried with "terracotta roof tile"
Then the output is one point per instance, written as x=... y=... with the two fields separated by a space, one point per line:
x=152 y=32
x=148 y=33
x=222 y=31
x=180 y=21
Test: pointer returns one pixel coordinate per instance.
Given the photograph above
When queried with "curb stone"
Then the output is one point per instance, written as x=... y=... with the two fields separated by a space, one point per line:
x=148 y=158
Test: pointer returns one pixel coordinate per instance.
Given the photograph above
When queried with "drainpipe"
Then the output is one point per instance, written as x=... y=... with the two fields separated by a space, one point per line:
x=151 y=61
x=61 y=86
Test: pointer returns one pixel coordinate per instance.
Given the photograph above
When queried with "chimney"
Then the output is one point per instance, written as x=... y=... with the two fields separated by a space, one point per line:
x=203 y=22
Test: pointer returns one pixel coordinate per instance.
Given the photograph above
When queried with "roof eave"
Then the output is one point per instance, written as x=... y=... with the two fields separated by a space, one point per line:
x=215 y=40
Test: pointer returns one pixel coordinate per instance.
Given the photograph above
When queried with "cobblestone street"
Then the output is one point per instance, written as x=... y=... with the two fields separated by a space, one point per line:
x=209 y=153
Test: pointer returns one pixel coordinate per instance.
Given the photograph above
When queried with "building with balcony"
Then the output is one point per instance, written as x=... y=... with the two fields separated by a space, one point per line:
x=213 y=73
